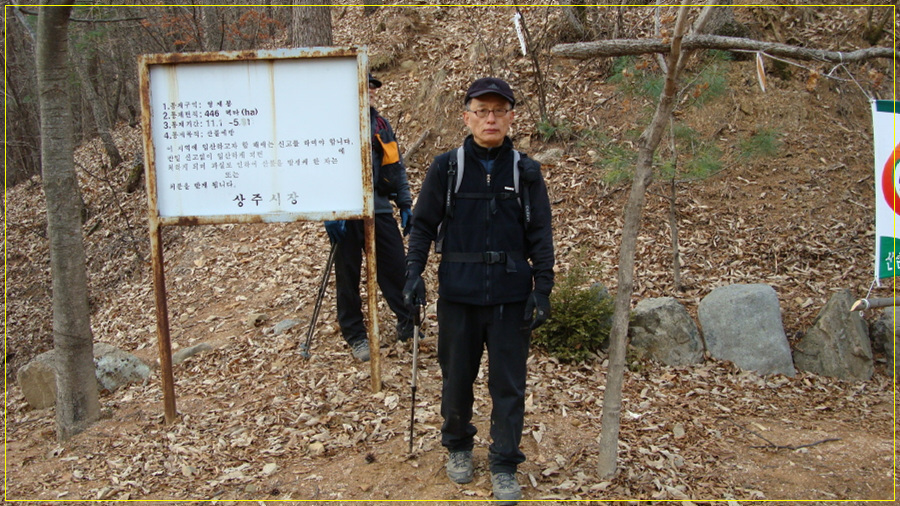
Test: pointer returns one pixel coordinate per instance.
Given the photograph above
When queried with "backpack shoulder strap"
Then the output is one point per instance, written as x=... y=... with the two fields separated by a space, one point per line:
x=453 y=179
x=516 y=170
x=460 y=166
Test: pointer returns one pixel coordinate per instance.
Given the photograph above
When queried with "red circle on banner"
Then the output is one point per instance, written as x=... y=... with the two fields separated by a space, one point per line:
x=887 y=181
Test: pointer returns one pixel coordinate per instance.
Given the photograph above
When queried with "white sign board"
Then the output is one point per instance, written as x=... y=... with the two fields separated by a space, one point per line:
x=282 y=136
x=887 y=184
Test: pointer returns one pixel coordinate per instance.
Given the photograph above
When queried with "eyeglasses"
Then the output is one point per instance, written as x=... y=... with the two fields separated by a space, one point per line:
x=483 y=113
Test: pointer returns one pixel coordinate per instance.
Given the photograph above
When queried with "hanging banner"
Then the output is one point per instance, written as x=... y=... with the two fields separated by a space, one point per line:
x=887 y=188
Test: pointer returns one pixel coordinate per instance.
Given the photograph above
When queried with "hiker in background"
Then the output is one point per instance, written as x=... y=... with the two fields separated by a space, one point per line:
x=494 y=281
x=390 y=183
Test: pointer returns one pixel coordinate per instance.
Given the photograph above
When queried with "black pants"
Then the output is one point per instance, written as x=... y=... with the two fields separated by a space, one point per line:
x=390 y=259
x=464 y=331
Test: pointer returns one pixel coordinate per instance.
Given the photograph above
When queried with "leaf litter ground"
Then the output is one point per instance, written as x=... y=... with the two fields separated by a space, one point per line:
x=260 y=422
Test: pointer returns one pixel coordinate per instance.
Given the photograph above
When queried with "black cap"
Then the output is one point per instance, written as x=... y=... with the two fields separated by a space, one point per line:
x=374 y=82
x=487 y=85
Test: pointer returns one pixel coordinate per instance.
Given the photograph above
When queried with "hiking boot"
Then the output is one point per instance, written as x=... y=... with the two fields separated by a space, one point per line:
x=360 y=350
x=459 y=466
x=506 y=488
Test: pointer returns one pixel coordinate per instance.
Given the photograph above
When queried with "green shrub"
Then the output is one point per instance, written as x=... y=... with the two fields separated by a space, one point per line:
x=633 y=78
x=764 y=143
x=555 y=130
x=708 y=85
x=617 y=163
x=705 y=163
x=580 y=319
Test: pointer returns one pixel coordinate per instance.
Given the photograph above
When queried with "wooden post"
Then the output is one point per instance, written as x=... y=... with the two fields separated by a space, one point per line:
x=162 y=322
x=372 y=289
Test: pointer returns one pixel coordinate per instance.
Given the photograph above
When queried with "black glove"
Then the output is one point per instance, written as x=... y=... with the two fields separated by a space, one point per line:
x=336 y=229
x=537 y=309
x=406 y=220
x=414 y=292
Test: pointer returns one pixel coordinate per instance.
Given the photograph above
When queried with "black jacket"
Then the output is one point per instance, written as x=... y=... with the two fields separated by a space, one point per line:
x=516 y=260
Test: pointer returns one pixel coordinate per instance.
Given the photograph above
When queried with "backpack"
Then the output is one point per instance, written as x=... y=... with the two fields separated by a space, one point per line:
x=386 y=178
x=455 y=173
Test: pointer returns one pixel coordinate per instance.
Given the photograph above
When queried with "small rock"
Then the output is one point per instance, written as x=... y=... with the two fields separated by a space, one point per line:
x=316 y=449
x=186 y=353
x=284 y=326
x=550 y=157
x=256 y=319
x=524 y=143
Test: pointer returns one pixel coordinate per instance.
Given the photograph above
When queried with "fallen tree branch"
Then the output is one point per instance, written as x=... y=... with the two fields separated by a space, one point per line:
x=777 y=446
x=623 y=47
x=863 y=304
x=797 y=447
x=412 y=149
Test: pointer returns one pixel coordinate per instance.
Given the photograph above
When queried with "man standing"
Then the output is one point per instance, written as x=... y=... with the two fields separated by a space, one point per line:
x=389 y=180
x=490 y=217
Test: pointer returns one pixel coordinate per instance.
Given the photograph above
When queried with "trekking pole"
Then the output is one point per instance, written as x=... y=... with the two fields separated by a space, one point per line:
x=304 y=348
x=415 y=366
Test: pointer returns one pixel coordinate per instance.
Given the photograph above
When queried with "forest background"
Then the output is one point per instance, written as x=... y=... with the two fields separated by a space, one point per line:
x=772 y=187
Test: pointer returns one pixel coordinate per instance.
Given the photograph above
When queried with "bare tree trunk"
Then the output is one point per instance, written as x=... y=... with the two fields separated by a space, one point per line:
x=372 y=6
x=576 y=17
x=673 y=230
x=99 y=111
x=211 y=32
x=311 y=23
x=673 y=212
x=23 y=139
x=77 y=403
x=873 y=31
x=634 y=208
x=536 y=65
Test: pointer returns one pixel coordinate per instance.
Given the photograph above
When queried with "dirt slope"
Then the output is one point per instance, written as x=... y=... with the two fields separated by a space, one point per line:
x=259 y=422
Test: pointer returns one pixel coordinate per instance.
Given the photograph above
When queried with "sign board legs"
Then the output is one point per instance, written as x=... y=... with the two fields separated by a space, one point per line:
x=372 y=290
x=162 y=323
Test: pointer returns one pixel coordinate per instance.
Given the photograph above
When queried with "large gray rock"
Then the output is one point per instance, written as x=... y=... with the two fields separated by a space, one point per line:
x=742 y=323
x=882 y=333
x=114 y=368
x=550 y=157
x=37 y=379
x=663 y=330
x=890 y=349
x=837 y=345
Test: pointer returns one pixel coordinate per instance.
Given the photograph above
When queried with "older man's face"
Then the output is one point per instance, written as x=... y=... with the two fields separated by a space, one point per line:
x=489 y=130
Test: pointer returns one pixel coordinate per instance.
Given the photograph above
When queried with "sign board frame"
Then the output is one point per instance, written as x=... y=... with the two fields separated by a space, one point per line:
x=243 y=152
x=887 y=188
